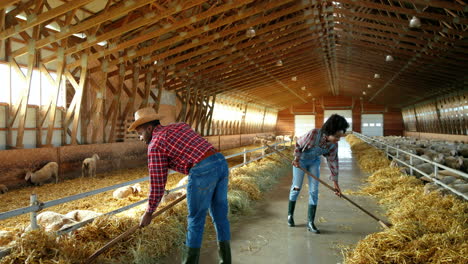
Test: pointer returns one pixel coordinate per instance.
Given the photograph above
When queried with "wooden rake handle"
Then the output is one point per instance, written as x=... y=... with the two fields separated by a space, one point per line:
x=381 y=222
x=130 y=231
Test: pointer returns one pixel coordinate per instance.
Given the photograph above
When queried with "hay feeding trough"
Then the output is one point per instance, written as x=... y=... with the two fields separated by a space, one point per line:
x=427 y=228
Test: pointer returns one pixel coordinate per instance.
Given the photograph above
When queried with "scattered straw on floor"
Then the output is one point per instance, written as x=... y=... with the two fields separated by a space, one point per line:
x=427 y=228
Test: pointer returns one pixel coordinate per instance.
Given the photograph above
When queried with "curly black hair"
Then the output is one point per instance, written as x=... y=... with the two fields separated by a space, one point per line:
x=334 y=124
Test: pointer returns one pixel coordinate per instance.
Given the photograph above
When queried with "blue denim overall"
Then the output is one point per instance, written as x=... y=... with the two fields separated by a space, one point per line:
x=309 y=160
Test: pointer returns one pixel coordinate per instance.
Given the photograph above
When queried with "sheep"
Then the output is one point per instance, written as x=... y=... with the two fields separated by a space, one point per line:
x=426 y=168
x=82 y=215
x=89 y=166
x=448 y=180
x=43 y=175
x=394 y=164
x=124 y=192
x=430 y=187
x=257 y=140
x=3 y=189
x=279 y=138
x=52 y=221
x=454 y=163
x=176 y=194
x=463 y=188
x=463 y=150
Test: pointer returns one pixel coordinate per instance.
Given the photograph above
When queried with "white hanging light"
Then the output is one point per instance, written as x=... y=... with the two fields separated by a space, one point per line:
x=250 y=33
x=155 y=62
x=279 y=63
x=376 y=76
x=369 y=86
x=364 y=93
x=415 y=22
x=309 y=94
x=389 y=58
x=294 y=78
x=303 y=88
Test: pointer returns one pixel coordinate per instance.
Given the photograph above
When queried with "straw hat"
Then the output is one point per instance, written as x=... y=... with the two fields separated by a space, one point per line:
x=146 y=115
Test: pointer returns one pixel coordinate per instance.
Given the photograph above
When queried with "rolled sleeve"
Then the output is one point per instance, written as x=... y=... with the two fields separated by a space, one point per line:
x=158 y=168
x=332 y=160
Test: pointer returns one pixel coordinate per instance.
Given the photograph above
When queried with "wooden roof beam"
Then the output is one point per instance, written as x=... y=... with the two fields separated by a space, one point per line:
x=7 y=3
x=406 y=11
x=121 y=8
x=37 y=19
x=204 y=40
x=148 y=19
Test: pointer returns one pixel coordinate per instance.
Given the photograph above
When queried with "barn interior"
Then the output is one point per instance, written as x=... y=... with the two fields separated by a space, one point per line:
x=244 y=75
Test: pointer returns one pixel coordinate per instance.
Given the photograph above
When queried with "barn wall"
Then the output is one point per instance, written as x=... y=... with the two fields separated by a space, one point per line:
x=393 y=121
x=15 y=162
x=443 y=115
x=31 y=139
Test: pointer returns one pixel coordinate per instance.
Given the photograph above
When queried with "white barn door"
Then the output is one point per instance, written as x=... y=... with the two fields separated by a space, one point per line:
x=372 y=124
x=303 y=124
x=347 y=114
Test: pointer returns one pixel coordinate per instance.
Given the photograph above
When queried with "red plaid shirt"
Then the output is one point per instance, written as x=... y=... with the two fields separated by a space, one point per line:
x=307 y=141
x=175 y=147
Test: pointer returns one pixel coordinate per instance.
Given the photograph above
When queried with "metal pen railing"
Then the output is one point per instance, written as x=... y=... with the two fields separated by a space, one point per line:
x=386 y=147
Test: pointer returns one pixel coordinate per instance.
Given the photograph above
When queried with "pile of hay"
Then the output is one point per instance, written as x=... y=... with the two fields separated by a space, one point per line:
x=427 y=228
x=370 y=159
x=150 y=243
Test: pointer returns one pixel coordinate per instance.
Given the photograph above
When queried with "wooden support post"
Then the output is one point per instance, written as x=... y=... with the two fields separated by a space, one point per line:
x=98 y=118
x=185 y=104
x=161 y=82
x=78 y=95
x=53 y=100
x=210 y=115
x=114 y=109
x=263 y=121
x=23 y=107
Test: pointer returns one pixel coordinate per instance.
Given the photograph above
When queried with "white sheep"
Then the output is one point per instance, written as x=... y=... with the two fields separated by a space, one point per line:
x=89 y=166
x=124 y=192
x=43 y=175
x=257 y=140
x=82 y=215
x=176 y=194
x=279 y=138
x=52 y=221
x=3 y=189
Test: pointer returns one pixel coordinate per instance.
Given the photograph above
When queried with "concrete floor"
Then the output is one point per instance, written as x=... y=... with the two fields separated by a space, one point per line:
x=264 y=237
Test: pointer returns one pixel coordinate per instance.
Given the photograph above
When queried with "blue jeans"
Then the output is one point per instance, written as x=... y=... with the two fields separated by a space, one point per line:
x=312 y=166
x=207 y=189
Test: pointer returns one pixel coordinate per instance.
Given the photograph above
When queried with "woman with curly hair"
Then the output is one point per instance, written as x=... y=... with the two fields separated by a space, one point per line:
x=309 y=148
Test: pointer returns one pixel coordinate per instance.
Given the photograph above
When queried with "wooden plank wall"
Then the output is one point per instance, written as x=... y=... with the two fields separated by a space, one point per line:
x=393 y=120
x=445 y=115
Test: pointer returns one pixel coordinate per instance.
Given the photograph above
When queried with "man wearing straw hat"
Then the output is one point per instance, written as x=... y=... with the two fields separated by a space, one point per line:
x=176 y=146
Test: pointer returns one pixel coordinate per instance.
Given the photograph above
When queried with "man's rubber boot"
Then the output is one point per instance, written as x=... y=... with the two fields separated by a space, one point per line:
x=190 y=255
x=224 y=252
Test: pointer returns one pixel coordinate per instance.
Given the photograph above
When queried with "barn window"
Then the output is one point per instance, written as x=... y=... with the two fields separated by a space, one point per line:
x=13 y=85
x=4 y=90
